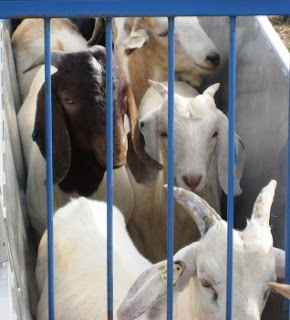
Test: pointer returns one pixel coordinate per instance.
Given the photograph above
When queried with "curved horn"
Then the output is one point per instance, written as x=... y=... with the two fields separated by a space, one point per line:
x=202 y=213
x=283 y=289
x=263 y=203
x=56 y=56
x=98 y=31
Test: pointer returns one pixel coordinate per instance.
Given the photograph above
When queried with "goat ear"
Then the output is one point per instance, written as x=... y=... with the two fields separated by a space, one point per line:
x=142 y=162
x=211 y=90
x=280 y=262
x=161 y=88
x=150 y=287
x=137 y=38
x=61 y=138
x=223 y=156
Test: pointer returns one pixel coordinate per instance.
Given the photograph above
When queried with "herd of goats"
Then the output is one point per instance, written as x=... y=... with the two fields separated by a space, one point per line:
x=140 y=110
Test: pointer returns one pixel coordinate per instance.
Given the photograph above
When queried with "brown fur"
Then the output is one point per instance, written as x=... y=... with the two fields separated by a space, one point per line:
x=79 y=125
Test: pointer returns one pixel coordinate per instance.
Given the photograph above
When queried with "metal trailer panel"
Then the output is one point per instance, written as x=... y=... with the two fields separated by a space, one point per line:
x=262 y=101
x=261 y=120
x=19 y=248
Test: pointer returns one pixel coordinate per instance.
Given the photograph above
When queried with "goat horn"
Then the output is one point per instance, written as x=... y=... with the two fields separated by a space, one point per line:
x=283 y=289
x=202 y=213
x=263 y=203
x=56 y=56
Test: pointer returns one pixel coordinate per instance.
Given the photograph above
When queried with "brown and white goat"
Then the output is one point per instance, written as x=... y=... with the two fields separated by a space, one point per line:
x=79 y=133
x=140 y=45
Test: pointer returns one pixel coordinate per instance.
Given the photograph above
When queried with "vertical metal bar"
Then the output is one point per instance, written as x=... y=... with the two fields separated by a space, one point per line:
x=231 y=160
x=170 y=178
x=287 y=245
x=49 y=169
x=109 y=159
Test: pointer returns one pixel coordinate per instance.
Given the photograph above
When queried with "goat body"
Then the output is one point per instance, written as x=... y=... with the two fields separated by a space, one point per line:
x=139 y=291
x=78 y=96
x=200 y=142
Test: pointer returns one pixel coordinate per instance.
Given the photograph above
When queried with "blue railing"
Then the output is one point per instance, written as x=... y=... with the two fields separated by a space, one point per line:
x=110 y=8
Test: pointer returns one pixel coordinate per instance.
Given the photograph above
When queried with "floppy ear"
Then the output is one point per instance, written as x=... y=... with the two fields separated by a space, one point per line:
x=223 y=156
x=142 y=162
x=149 y=288
x=137 y=38
x=61 y=140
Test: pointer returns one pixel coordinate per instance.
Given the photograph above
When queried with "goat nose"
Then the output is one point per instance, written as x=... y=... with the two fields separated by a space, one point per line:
x=213 y=59
x=192 y=181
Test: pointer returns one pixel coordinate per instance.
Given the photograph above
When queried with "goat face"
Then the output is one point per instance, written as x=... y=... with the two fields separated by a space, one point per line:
x=200 y=129
x=195 y=53
x=79 y=121
x=201 y=286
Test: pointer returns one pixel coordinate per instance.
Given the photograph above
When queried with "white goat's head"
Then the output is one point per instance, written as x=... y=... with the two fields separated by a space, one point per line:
x=200 y=128
x=196 y=54
x=201 y=286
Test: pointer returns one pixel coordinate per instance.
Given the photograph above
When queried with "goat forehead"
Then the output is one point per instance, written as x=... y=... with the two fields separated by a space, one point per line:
x=249 y=259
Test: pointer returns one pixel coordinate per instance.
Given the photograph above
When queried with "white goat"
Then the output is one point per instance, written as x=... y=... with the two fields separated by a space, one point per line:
x=200 y=164
x=200 y=290
x=28 y=45
x=140 y=45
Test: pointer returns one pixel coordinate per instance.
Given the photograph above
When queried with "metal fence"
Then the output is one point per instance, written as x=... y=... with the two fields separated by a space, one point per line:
x=109 y=9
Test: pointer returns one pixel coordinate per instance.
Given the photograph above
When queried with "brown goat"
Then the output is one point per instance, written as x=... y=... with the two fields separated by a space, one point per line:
x=79 y=135
x=79 y=121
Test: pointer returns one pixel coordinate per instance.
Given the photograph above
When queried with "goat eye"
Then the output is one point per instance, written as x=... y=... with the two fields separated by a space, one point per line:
x=206 y=284
x=215 y=134
x=69 y=100
x=163 y=34
x=164 y=134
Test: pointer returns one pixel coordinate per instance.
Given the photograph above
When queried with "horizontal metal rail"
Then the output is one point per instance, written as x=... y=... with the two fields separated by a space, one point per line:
x=110 y=8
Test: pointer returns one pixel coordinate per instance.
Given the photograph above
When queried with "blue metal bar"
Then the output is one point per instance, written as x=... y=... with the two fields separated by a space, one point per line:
x=287 y=245
x=78 y=8
x=170 y=178
x=231 y=161
x=49 y=170
x=109 y=159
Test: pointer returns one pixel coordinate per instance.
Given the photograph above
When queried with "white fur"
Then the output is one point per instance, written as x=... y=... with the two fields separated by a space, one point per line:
x=28 y=45
x=80 y=235
x=80 y=270
x=195 y=154
x=192 y=46
x=200 y=291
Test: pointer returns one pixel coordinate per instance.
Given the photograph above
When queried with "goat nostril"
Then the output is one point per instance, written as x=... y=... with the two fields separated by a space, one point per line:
x=192 y=181
x=213 y=59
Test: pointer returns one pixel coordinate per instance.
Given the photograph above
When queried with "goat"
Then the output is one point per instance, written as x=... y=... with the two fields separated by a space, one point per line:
x=140 y=45
x=28 y=45
x=200 y=164
x=79 y=139
x=200 y=290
